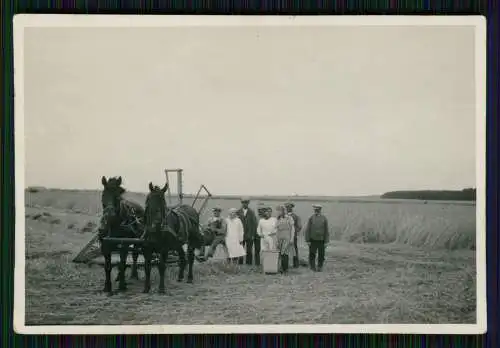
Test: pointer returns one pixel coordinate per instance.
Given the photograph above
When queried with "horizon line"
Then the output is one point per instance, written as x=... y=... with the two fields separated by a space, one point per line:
x=239 y=195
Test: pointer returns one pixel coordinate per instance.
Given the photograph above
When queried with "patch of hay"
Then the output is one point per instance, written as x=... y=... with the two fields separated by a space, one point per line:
x=35 y=189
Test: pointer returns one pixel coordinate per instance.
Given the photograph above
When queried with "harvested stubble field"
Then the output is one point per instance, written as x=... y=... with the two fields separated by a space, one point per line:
x=389 y=262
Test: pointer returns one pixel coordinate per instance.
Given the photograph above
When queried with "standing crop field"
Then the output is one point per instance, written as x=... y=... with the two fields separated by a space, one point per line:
x=448 y=225
x=388 y=262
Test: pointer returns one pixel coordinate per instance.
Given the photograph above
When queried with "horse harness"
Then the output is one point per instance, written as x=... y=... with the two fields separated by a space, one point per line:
x=185 y=223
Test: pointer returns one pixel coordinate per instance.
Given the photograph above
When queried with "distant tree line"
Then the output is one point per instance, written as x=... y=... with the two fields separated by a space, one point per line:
x=468 y=194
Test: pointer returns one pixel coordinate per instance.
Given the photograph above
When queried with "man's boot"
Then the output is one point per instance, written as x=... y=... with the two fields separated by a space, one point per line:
x=311 y=264
x=296 y=256
x=320 y=266
x=284 y=264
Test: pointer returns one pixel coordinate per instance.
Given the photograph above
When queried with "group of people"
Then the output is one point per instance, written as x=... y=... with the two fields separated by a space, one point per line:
x=245 y=234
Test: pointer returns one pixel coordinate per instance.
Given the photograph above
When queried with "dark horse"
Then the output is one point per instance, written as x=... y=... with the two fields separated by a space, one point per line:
x=168 y=230
x=121 y=219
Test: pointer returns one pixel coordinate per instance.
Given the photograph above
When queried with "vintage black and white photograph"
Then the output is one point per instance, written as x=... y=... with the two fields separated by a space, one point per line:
x=182 y=174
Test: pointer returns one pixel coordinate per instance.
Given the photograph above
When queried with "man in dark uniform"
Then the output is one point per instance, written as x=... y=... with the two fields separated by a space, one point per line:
x=317 y=236
x=251 y=241
x=298 y=227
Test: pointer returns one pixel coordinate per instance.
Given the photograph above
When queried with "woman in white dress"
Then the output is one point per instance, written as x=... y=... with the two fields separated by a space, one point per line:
x=266 y=230
x=234 y=236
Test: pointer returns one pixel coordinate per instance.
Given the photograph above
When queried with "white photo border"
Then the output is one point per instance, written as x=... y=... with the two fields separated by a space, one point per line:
x=23 y=21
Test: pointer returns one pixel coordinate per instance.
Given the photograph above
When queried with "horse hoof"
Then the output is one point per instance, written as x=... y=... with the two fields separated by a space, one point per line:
x=145 y=291
x=162 y=291
x=180 y=279
x=190 y=281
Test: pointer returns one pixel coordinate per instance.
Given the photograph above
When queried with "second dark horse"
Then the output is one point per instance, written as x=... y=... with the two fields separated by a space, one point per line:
x=169 y=230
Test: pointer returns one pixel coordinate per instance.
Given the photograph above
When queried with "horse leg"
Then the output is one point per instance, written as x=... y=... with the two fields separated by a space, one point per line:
x=117 y=279
x=121 y=268
x=190 y=257
x=148 y=255
x=162 y=265
x=107 y=270
x=182 y=264
x=135 y=256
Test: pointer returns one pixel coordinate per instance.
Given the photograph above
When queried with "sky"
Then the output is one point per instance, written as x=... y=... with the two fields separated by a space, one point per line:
x=252 y=110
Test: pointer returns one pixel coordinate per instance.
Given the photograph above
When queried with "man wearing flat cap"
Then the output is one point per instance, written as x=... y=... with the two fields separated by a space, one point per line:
x=217 y=227
x=251 y=241
x=317 y=236
x=298 y=227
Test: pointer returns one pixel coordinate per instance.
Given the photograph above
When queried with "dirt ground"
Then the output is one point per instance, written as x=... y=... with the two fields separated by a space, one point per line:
x=361 y=284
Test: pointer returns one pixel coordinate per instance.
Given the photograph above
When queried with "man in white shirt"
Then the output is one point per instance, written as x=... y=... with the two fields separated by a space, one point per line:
x=266 y=230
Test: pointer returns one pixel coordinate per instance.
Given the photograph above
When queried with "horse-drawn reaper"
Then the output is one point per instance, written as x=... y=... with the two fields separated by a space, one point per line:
x=156 y=230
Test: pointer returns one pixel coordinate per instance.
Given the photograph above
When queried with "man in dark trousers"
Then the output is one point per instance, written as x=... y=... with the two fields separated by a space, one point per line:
x=317 y=236
x=251 y=241
x=298 y=226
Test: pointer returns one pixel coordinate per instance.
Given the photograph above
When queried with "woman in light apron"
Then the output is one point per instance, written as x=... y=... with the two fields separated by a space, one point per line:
x=266 y=229
x=234 y=236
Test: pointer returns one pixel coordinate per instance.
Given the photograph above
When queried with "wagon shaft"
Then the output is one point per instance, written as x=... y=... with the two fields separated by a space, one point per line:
x=127 y=241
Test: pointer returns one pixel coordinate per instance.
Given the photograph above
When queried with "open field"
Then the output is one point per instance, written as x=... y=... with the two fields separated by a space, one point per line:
x=389 y=262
